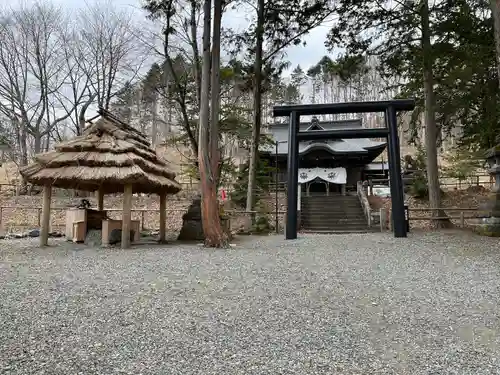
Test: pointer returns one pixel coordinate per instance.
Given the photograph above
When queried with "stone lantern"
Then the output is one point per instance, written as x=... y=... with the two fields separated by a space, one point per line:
x=490 y=225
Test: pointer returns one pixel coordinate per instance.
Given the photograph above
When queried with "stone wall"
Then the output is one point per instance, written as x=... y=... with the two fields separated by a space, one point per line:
x=23 y=212
x=270 y=205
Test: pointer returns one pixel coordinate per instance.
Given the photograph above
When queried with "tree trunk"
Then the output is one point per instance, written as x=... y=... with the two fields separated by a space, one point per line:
x=167 y=128
x=81 y=115
x=37 y=147
x=196 y=53
x=23 y=152
x=430 y=120
x=212 y=229
x=215 y=91
x=154 y=122
x=23 y=145
x=46 y=145
x=495 y=10
x=257 y=106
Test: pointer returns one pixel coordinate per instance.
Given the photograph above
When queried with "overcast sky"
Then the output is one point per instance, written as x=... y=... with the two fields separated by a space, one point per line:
x=305 y=56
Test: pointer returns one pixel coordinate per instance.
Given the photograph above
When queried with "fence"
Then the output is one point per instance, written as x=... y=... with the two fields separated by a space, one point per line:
x=144 y=215
x=141 y=213
x=458 y=216
x=480 y=180
x=460 y=220
x=449 y=183
x=463 y=214
x=8 y=187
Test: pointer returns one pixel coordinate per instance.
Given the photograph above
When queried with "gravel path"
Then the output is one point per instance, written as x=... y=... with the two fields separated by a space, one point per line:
x=345 y=304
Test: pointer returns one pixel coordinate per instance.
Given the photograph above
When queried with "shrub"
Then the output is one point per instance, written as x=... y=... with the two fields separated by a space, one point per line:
x=263 y=179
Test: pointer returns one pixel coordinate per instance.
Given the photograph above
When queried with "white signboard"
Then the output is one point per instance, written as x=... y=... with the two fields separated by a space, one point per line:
x=333 y=175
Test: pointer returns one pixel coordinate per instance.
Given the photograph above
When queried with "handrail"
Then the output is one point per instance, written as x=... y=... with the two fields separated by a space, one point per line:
x=449 y=209
x=363 y=198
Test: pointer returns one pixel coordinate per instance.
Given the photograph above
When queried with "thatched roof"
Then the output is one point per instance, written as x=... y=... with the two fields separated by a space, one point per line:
x=110 y=154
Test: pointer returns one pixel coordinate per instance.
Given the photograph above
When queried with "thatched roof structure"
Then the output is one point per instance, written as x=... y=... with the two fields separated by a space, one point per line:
x=109 y=155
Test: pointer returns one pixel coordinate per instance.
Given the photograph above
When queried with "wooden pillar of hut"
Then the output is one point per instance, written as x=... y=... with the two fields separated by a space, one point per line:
x=100 y=199
x=163 y=216
x=127 y=216
x=44 y=233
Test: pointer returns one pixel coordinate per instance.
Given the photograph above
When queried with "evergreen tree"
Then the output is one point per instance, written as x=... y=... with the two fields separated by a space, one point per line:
x=150 y=85
x=467 y=89
x=278 y=24
x=123 y=102
x=405 y=44
x=314 y=74
x=263 y=181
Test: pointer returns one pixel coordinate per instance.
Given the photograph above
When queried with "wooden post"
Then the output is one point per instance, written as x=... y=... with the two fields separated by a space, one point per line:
x=126 y=216
x=462 y=219
x=100 y=199
x=383 y=219
x=163 y=216
x=44 y=233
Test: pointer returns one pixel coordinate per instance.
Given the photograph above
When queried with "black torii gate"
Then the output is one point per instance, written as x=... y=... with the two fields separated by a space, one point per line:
x=389 y=108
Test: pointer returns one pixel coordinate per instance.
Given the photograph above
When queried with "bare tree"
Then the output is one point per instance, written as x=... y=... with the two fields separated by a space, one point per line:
x=111 y=52
x=32 y=73
x=77 y=94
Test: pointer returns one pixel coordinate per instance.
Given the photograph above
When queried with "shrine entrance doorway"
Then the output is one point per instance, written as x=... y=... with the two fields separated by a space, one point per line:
x=317 y=187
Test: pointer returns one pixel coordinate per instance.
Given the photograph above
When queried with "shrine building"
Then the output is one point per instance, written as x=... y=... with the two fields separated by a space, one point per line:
x=326 y=167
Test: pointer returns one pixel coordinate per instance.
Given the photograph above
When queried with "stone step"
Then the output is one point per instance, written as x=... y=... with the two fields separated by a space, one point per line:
x=329 y=199
x=338 y=231
x=344 y=226
x=327 y=208
x=345 y=229
x=333 y=214
x=337 y=217
x=332 y=211
x=336 y=201
x=331 y=206
x=325 y=214
x=334 y=222
x=320 y=219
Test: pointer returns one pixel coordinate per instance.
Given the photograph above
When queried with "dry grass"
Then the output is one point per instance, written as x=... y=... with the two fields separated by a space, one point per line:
x=109 y=155
x=9 y=173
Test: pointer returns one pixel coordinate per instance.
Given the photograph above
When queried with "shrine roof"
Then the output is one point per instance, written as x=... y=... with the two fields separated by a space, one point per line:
x=108 y=155
x=279 y=132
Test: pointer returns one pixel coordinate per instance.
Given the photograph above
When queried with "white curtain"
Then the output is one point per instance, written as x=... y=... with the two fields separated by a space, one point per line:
x=333 y=175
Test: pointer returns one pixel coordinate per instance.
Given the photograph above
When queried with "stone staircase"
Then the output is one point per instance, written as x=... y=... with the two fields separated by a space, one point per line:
x=333 y=214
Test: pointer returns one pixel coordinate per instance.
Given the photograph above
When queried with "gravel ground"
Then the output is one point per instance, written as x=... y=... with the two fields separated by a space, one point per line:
x=344 y=304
